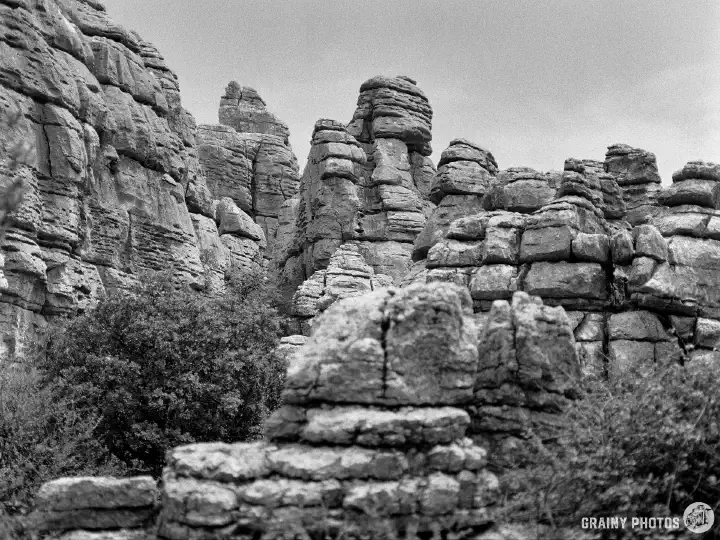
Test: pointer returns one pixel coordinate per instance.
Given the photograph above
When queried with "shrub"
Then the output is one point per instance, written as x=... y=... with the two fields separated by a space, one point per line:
x=42 y=439
x=163 y=366
x=645 y=445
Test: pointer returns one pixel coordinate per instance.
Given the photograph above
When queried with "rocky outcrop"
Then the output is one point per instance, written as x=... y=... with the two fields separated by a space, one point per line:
x=636 y=172
x=371 y=436
x=114 y=185
x=347 y=275
x=248 y=158
x=385 y=407
x=366 y=182
x=82 y=507
x=641 y=293
x=464 y=175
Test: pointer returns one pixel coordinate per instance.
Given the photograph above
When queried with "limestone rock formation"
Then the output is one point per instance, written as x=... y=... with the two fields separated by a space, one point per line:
x=248 y=158
x=371 y=439
x=78 y=507
x=528 y=367
x=367 y=182
x=636 y=172
x=464 y=174
x=379 y=436
x=347 y=275
x=569 y=238
x=114 y=185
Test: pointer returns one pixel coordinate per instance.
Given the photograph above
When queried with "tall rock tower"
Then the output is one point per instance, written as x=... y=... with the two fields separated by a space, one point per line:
x=248 y=158
x=366 y=182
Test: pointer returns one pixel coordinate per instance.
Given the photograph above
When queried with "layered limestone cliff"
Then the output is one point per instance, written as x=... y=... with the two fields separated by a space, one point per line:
x=633 y=265
x=366 y=182
x=114 y=184
x=248 y=158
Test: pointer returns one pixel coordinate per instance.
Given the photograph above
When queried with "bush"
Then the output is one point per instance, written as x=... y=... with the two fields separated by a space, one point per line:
x=645 y=445
x=161 y=366
x=42 y=439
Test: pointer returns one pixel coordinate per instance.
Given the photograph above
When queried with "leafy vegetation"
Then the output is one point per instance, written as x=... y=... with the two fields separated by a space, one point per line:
x=644 y=445
x=142 y=372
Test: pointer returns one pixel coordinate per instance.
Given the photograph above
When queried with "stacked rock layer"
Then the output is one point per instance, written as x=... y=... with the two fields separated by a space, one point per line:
x=635 y=274
x=389 y=408
x=371 y=439
x=113 y=182
x=248 y=158
x=367 y=182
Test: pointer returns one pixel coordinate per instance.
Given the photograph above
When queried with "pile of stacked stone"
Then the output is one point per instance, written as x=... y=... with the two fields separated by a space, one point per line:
x=371 y=439
x=114 y=185
x=248 y=158
x=635 y=170
x=389 y=408
x=367 y=181
x=678 y=272
x=347 y=275
x=562 y=237
x=85 y=508
x=528 y=369
x=465 y=171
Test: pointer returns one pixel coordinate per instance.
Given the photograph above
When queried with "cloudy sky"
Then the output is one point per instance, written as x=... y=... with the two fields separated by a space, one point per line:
x=534 y=81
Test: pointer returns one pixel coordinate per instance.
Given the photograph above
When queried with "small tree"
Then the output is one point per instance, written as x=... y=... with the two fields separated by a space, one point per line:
x=163 y=366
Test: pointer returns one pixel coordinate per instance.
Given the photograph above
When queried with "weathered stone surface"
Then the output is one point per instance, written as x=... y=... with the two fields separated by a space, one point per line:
x=548 y=244
x=622 y=247
x=494 y=282
x=377 y=334
x=450 y=208
x=566 y=280
x=591 y=247
x=636 y=325
x=631 y=165
x=521 y=189
x=707 y=333
x=96 y=492
x=113 y=175
x=698 y=170
x=393 y=108
x=528 y=368
x=635 y=171
x=650 y=243
x=692 y=191
x=347 y=275
x=243 y=109
x=342 y=449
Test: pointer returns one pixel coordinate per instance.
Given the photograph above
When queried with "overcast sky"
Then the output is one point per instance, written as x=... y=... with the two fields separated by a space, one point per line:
x=534 y=81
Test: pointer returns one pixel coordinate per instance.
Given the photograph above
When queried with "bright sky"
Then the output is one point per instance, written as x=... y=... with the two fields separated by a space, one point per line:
x=534 y=81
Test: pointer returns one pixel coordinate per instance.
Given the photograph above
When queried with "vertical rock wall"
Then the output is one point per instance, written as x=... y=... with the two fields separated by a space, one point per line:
x=248 y=158
x=114 y=185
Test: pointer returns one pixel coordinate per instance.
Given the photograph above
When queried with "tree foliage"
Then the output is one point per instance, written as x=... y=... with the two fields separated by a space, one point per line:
x=164 y=366
x=646 y=444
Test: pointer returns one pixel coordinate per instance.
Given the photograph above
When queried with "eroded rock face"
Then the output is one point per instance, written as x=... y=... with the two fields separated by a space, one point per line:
x=382 y=406
x=367 y=182
x=636 y=172
x=528 y=367
x=114 y=183
x=124 y=507
x=248 y=158
x=371 y=436
x=569 y=238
